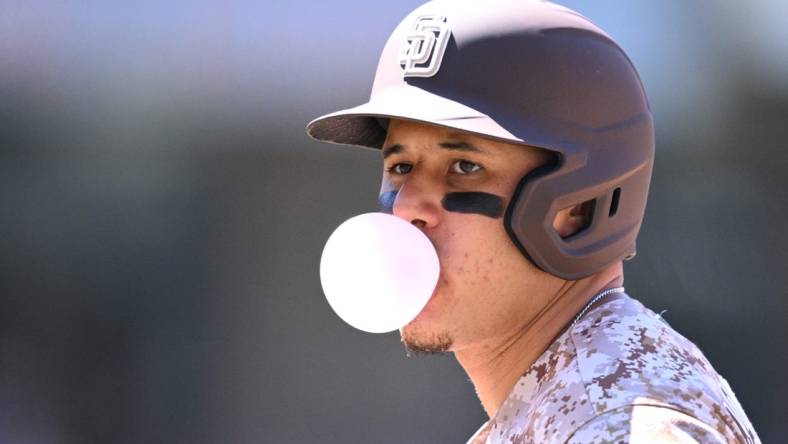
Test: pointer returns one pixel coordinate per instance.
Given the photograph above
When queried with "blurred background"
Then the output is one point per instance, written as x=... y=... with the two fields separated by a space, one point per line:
x=162 y=215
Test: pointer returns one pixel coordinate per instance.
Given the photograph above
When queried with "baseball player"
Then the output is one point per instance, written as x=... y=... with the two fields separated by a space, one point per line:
x=517 y=136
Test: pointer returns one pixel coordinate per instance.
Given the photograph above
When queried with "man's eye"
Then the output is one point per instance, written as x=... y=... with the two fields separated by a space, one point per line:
x=465 y=167
x=400 y=168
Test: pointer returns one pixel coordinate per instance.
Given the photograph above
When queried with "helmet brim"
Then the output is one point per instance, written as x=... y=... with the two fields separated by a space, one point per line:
x=361 y=125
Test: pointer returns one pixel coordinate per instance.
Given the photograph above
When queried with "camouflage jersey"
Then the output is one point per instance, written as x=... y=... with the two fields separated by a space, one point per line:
x=620 y=374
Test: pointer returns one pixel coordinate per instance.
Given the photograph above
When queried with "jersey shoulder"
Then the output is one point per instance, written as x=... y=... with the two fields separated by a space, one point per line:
x=646 y=424
x=628 y=356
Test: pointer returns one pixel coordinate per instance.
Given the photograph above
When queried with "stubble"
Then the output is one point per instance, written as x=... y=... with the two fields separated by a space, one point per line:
x=425 y=344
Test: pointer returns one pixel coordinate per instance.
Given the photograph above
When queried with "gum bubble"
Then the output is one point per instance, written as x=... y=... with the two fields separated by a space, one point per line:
x=378 y=272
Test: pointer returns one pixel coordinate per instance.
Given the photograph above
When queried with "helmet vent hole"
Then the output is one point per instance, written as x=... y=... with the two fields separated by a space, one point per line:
x=614 y=202
x=572 y=221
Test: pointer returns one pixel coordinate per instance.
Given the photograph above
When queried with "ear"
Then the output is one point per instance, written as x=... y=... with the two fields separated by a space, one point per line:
x=574 y=219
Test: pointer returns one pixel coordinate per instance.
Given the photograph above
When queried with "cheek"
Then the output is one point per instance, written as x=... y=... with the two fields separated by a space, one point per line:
x=479 y=254
x=481 y=244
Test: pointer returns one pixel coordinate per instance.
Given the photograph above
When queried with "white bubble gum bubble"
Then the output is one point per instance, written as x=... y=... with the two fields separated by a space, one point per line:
x=378 y=272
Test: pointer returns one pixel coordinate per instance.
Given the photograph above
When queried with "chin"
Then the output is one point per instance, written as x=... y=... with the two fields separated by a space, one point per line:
x=420 y=341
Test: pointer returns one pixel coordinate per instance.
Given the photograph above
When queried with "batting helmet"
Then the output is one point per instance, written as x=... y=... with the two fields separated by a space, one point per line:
x=533 y=73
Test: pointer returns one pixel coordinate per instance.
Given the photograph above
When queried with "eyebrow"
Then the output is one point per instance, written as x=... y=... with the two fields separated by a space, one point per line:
x=459 y=146
x=453 y=146
x=393 y=149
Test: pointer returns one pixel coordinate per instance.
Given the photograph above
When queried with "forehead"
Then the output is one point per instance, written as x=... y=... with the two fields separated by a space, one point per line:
x=408 y=136
x=407 y=131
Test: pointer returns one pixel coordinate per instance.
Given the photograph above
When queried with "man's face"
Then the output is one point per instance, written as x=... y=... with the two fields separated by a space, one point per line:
x=455 y=187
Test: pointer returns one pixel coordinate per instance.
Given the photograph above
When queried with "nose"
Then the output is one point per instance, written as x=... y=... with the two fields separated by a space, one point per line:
x=418 y=202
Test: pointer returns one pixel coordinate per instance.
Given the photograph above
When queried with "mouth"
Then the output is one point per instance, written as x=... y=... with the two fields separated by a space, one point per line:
x=438 y=284
x=429 y=306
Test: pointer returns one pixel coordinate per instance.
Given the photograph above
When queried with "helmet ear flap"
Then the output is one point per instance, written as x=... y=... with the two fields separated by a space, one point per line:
x=610 y=196
x=514 y=205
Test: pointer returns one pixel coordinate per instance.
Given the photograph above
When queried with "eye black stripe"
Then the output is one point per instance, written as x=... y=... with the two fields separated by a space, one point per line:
x=485 y=204
x=472 y=202
x=386 y=202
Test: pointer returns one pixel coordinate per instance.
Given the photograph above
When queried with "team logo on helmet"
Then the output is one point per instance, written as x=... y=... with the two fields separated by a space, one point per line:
x=422 y=51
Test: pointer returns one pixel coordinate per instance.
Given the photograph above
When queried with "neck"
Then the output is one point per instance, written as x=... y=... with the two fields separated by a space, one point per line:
x=495 y=366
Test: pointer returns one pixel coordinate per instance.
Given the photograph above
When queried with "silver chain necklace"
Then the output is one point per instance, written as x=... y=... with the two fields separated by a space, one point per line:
x=593 y=300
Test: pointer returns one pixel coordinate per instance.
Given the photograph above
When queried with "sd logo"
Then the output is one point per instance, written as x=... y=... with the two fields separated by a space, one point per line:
x=422 y=52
